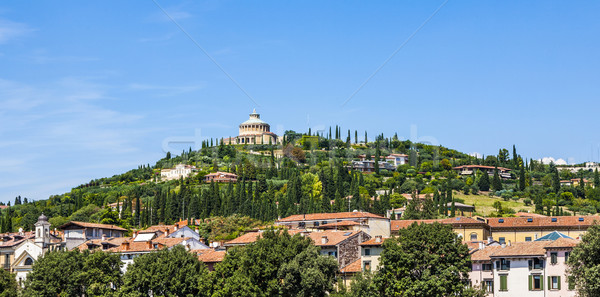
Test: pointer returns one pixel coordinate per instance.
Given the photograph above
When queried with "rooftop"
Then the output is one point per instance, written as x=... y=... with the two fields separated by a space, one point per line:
x=330 y=216
x=92 y=225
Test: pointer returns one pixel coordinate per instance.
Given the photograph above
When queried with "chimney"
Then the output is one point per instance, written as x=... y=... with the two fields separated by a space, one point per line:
x=197 y=230
x=378 y=238
x=509 y=243
x=324 y=239
x=481 y=245
x=149 y=242
x=125 y=246
x=103 y=237
x=490 y=239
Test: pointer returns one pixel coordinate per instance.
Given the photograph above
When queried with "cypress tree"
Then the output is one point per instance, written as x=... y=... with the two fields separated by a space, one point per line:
x=496 y=182
x=137 y=211
x=484 y=182
x=522 y=179
x=596 y=179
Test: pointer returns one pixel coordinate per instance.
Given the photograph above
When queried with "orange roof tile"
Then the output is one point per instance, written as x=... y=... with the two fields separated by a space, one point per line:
x=563 y=243
x=211 y=256
x=352 y=267
x=530 y=248
x=484 y=254
x=529 y=214
x=147 y=246
x=92 y=225
x=458 y=221
x=330 y=216
x=373 y=242
x=543 y=222
x=115 y=241
x=333 y=237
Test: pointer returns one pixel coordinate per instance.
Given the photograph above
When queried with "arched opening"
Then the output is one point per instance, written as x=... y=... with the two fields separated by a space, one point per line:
x=28 y=261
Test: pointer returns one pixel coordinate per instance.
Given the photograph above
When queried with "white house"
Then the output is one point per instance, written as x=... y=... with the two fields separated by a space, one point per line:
x=180 y=170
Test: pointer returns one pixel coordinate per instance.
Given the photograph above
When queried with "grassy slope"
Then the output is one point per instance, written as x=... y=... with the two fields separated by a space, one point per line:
x=483 y=203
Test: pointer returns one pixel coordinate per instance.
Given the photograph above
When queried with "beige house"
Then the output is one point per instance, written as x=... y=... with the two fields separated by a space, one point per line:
x=369 y=223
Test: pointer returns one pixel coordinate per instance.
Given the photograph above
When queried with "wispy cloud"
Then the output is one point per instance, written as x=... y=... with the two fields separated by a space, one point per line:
x=10 y=30
x=166 y=90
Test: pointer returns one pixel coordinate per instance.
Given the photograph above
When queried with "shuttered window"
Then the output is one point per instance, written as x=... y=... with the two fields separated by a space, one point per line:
x=503 y=283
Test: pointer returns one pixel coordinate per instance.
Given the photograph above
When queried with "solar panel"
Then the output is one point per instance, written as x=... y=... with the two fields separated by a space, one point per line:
x=501 y=221
x=554 y=220
x=347 y=233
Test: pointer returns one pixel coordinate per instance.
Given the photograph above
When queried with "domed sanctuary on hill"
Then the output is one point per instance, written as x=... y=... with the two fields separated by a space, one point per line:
x=254 y=131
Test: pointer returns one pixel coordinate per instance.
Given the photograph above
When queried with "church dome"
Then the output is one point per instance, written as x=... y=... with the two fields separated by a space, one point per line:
x=42 y=218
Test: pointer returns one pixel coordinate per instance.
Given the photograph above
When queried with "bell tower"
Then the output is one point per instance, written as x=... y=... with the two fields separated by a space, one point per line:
x=42 y=231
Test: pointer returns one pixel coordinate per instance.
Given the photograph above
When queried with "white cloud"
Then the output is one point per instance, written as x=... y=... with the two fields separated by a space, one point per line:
x=10 y=30
x=163 y=91
x=548 y=160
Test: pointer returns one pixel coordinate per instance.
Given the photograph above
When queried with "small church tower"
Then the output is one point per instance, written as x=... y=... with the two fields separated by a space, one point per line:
x=42 y=231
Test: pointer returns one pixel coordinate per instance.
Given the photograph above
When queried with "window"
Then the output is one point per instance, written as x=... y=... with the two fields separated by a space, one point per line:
x=473 y=236
x=536 y=282
x=554 y=220
x=367 y=252
x=488 y=286
x=367 y=265
x=502 y=240
x=553 y=258
x=536 y=264
x=529 y=220
x=501 y=221
x=316 y=224
x=503 y=264
x=527 y=238
x=567 y=254
x=28 y=261
x=301 y=224
x=554 y=282
x=486 y=267
x=503 y=283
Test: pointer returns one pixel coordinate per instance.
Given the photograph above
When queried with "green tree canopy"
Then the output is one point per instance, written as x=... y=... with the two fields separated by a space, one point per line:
x=584 y=264
x=168 y=272
x=8 y=284
x=424 y=260
x=288 y=266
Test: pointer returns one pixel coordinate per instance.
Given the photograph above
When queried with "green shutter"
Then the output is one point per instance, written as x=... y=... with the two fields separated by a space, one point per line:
x=541 y=282
x=558 y=282
x=549 y=283
x=503 y=286
x=530 y=282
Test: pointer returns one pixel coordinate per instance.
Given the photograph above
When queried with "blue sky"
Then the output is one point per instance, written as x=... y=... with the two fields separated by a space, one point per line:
x=93 y=88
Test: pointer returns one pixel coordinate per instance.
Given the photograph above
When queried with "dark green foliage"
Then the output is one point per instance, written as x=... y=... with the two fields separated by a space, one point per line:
x=496 y=182
x=8 y=284
x=584 y=264
x=424 y=260
x=74 y=274
x=291 y=266
x=174 y=272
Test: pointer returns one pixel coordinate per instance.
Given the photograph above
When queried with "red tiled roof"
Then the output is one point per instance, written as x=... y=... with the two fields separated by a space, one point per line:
x=210 y=255
x=563 y=243
x=352 y=267
x=542 y=222
x=484 y=254
x=115 y=241
x=529 y=215
x=144 y=246
x=530 y=248
x=481 y=167
x=330 y=216
x=339 y=224
x=247 y=238
x=458 y=221
x=373 y=242
x=92 y=225
x=13 y=239
x=333 y=237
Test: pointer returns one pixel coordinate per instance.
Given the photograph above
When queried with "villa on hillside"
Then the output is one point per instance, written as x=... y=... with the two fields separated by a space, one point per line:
x=221 y=177
x=472 y=169
x=180 y=170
